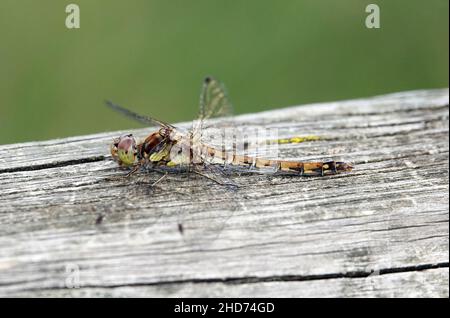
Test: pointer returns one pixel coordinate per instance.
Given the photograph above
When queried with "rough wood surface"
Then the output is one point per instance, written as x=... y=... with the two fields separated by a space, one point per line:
x=382 y=230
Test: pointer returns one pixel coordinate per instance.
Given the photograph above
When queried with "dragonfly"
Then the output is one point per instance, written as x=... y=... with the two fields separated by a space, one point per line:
x=170 y=149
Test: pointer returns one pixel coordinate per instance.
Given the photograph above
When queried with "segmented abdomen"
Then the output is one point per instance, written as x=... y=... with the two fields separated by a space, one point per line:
x=249 y=163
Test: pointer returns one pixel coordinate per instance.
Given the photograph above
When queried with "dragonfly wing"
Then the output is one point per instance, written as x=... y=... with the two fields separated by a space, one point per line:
x=214 y=103
x=215 y=173
x=209 y=219
x=137 y=117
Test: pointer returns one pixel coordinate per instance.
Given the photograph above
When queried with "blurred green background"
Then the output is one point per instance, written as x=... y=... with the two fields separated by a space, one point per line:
x=151 y=56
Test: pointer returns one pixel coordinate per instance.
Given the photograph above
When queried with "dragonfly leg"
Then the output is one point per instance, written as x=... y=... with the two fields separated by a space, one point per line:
x=215 y=180
x=159 y=180
x=135 y=168
x=206 y=176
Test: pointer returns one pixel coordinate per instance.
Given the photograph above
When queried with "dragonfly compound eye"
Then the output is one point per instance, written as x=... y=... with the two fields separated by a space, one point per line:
x=113 y=148
x=126 y=150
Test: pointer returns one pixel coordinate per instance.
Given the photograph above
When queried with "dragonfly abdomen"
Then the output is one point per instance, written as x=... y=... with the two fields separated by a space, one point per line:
x=303 y=168
x=253 y=164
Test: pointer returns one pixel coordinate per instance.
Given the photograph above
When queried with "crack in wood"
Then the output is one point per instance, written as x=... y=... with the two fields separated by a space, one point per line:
x=57 y=164
x=267 y=279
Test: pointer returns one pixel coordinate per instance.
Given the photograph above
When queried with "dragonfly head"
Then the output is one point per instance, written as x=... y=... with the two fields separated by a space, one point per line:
x=124 y=150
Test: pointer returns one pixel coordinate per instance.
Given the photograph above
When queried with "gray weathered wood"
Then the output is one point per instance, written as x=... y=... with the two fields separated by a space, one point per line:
x=381 y=230
x=427 y=283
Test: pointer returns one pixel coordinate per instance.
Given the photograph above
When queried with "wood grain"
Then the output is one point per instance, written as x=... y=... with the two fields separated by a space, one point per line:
x=381 y=230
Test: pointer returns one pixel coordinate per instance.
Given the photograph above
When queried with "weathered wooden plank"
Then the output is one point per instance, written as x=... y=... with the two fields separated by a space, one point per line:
x=390 y=213
x=426 y=283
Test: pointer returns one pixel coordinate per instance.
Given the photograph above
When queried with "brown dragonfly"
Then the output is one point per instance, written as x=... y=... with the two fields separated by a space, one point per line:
x=170 y=149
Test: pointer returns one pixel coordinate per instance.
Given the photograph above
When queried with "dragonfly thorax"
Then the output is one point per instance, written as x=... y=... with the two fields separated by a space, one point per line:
x=154 y=143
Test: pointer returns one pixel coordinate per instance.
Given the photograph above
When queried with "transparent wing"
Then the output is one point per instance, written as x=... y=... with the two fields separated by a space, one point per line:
x=214 y=103
x=207 y=221
x=139 y=118
x=217 y=174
